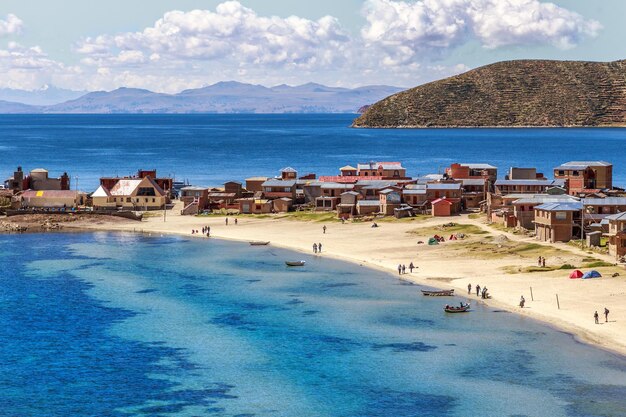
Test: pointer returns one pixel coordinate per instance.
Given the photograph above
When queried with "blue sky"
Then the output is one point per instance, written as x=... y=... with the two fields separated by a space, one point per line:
x=172 y=45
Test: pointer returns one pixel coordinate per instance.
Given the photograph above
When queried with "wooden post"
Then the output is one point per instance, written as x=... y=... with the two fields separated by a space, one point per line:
x=531 y=294
x=557 y=302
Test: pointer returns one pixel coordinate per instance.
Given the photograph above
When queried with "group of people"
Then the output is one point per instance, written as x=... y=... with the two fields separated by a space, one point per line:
x=402 y=268
x=206 y=230
x=480 y=292
x=317 y=248
x=541 y=262
x=606 y=316
x=226 y=221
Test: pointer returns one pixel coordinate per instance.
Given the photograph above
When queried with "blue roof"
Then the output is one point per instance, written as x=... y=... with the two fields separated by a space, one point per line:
x=574 y=206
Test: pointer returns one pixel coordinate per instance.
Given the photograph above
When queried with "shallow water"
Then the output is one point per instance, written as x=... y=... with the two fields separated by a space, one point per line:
x=130 y=325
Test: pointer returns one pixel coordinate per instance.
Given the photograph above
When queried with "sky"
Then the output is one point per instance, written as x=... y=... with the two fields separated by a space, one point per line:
x=169 y=46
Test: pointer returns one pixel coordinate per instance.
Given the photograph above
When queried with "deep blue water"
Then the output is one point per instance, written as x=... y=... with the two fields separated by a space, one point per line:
x=127 y=325
x=212 y=149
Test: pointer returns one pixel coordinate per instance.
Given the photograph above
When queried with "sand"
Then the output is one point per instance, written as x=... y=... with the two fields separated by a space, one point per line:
x=487 y=257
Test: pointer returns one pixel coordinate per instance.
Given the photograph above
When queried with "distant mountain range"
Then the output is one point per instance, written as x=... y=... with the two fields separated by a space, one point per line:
x=223 y=97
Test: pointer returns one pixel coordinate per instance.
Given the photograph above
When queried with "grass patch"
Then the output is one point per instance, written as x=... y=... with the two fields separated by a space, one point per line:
x=492 y=249
x=311 y=216
x=391 y=219
x=567 y=266
x=447 y=230
x=597 y=264
x=474 y=216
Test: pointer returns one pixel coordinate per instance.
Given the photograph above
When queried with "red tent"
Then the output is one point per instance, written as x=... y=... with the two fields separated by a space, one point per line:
x=577 y=273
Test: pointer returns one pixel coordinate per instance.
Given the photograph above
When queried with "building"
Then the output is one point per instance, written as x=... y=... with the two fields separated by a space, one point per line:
x=347 y=206
x=442 y=207
x=473 y=192
x=585 y=175
x=254 y=206
x=255 y=184
x=451 y=192
x=516 y=173
x=534 y=186
x=460 y=171
x=390 y=199
x=554 y=222
x=38 y=179
x=195 y=199
x=49 y=199
x=367 y=207
x=597 y=209
x=348 y=171
x=282 y=205
x=617 y=234
x=382 y=170
x=288 y=174
x=275 y=188
x=524 y=208
x=130 y=194
x=164 y=183
x=331 y=195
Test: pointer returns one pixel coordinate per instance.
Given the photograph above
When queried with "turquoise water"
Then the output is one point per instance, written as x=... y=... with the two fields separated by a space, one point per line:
x=128 y=325
x=210 y=149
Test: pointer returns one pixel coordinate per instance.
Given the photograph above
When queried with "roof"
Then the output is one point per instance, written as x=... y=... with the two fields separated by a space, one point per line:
x=193 y=188
x=608 y=201
x=441 y=200
x=347 y=168
x=101 y=192
x=413 y=191
x=583 y=164
x=370 y=203
x=415 y=187
x=225 y=195
x=616 y=217
x=336 y=186
x=256 y=179
x=125 y=187
x=279 y=183
x=39 y=170
x=388 y=191
x=444 y=186
x=574 y=206
x=288 y=169
x=50 y=193
x=350 y=193
x=348 y=178
x=473 y=181
x=287 y=199
x=478 y=166
x=384 y=165
x=545 y=198
x=547 y=183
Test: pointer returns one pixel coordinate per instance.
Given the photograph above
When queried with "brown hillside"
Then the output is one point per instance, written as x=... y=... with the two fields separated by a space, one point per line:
x=514 y=93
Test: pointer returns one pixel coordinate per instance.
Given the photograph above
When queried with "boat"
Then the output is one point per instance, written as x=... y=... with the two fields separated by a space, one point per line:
x=460 y=309
x=441 y=293
x=295 y=263
x=259 y=243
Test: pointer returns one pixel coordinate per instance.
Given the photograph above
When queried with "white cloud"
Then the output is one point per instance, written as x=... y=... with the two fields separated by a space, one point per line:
x=232 y=32
x=11 y=25
x=406 y=31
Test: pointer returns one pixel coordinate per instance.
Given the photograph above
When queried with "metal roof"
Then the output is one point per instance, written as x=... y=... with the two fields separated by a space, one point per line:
x=478 y=166
x=288 y=169
x=279 y=183
x=50 y=193
x=545 y=198
x=618 y=216
x=547 y=183
x=418 y=191
x=101 y=192
x=347 y=168
x=608 y=201
x=194 y=188
x=444 y=186
x=472 y=181
x=336 y=186
x=368 y=203
x=584 y=164
x=385 y=165
x=574 y=206
x=125 y=187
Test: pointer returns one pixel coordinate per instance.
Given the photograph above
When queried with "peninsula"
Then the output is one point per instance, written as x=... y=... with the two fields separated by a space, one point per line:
x=525 y=93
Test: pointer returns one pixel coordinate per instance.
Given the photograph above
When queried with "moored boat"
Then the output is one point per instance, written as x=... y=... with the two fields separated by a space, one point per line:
x=460 y=309
x=295 y=263
x=439 y=293
x=259 y=243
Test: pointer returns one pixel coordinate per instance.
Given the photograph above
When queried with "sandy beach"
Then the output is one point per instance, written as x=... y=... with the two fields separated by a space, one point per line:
x=489 y=257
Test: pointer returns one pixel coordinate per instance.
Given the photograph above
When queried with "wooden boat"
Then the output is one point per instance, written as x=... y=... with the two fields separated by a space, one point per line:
x=259 y=243
x=460 y=309
x=441 y=293
x=295 y=263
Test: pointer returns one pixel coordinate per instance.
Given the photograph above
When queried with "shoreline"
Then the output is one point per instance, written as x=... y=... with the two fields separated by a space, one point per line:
x=290 y=234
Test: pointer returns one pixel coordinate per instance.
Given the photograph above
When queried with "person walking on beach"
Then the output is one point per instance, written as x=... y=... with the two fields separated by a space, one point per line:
x=208 y=230
x=469 y=288
x=319 y=248
x=595 y=316
x=235 y=222
x=477 y=290
x=606 y=315
x=543 y=262
x=539 y=261
x=315 y=248
x=399 y=269
x=522 y=301
x=403 y=269
x=324 y=229
x=226 y=221
x=411 y=266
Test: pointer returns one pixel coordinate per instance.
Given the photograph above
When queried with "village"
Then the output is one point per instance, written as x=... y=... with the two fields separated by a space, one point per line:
x=578 y=202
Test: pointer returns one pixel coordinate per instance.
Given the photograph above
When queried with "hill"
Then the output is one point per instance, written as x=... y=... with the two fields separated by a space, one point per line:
x=523 y=93
x=223 y=97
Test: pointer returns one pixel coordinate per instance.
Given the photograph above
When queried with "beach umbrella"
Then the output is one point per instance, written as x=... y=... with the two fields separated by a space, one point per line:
x=591 y=274
x=577 y=273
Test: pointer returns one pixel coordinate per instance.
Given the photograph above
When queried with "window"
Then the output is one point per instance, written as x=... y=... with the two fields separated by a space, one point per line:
x=146 y=191
x=154 y=200
x=396 y=173
x=560 y=215
x=561 y=173
x=575 y=173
